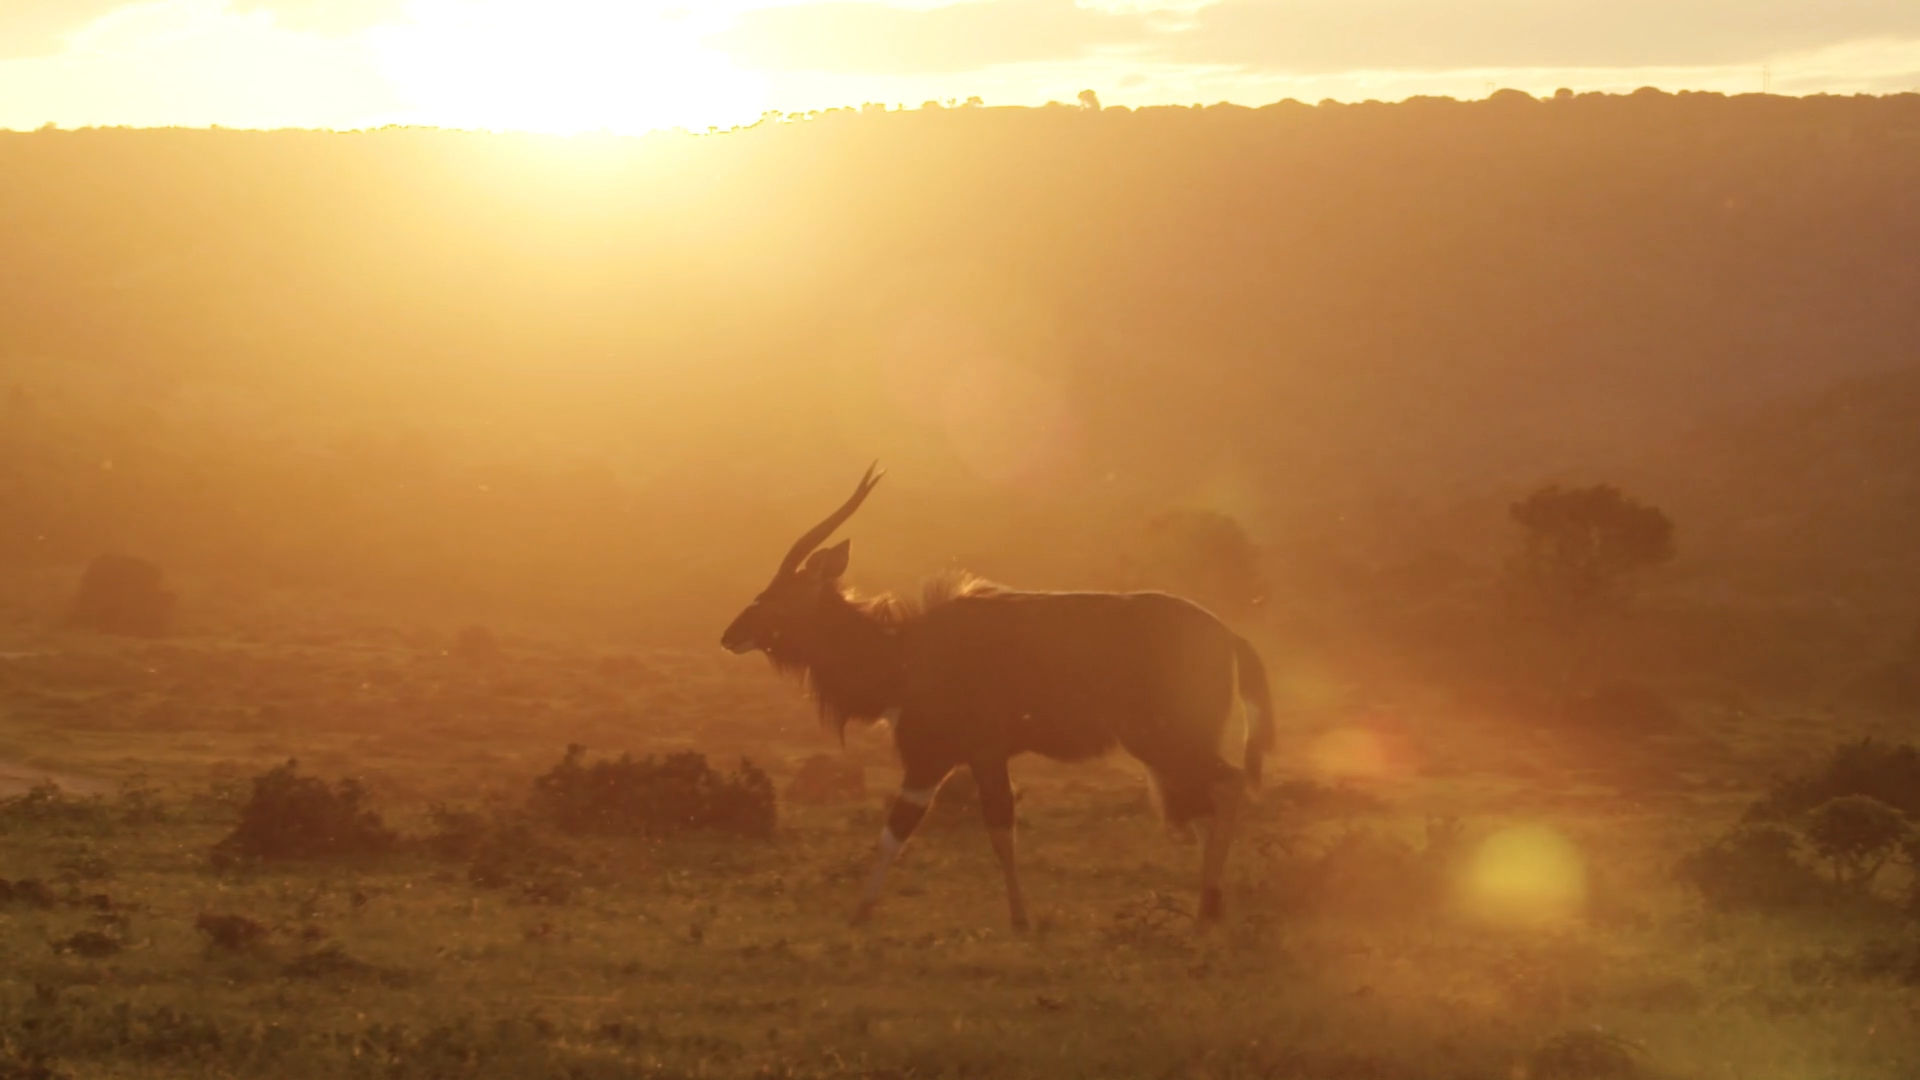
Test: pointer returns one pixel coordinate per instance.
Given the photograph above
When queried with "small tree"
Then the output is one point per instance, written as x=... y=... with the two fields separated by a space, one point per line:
x=1578 y=550
x=1204 y=555
x=1580 y=546
x=1856 y=834
x=121 y=594
x=1089 y=101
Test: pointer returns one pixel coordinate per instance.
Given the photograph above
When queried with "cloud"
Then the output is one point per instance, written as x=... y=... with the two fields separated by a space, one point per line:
x=876 y=38
x=44 y=27
x=40 y=27
x=1344 y=35
x=192 y=63
x=331 y=17
x=1305 y=36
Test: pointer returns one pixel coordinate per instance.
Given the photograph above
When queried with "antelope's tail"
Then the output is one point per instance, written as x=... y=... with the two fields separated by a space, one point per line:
x=1259 y=703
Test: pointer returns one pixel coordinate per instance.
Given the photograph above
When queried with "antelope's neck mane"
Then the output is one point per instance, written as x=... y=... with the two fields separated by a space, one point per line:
x=853 y=662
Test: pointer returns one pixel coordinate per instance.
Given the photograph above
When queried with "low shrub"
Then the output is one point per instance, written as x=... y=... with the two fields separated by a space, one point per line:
x=46 y=804
x=289 y=816
x=27 y=892
x=1889 y=773
x=1363 y=872
x=90 y=944
x=654 y=796
x=232 y=933
x=1856 y=812
x=501 y=850
x=1755 y=866
x=1305 y=795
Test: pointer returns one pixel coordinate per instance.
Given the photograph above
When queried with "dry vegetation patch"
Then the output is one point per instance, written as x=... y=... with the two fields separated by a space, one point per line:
x=649 y=914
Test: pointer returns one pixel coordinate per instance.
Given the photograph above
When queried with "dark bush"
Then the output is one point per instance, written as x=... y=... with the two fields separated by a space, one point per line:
x=1878 y=770
x=1856 y=811
x=1363 y=872
x=1856 y=834
x=91 y=944
x=654 y=796
x=1754 y=866
x=45 y=803
x=332 y=963
x=139 y=802
x=1895 y=960
x=120 y=594
x=289 y=816
x=1622 y=708
x=476 y=645
x=1305 y=795
x=234 y=933
x=29 y=891
x=499 y=850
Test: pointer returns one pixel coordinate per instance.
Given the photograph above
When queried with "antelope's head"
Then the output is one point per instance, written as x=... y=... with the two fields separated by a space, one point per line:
x=778 y=621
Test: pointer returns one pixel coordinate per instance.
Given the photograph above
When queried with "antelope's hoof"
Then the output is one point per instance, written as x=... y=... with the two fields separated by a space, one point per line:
x=1020 y=924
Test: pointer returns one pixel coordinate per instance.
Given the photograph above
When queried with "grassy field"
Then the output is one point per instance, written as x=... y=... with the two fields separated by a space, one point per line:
x=1424 y=890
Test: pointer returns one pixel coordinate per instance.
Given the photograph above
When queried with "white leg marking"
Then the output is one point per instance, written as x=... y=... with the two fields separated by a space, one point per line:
x=889 y=850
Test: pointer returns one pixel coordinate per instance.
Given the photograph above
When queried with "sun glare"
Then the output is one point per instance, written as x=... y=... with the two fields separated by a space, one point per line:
x=1527 y=875
x=562 y=67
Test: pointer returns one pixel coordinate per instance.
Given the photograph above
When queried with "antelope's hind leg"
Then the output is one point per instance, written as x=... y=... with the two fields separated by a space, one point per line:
x=1205 y=795
x=996 y=806
x=1227 y=793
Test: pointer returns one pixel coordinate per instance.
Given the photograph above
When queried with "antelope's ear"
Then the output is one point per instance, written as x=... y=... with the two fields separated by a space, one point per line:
x=828 y=564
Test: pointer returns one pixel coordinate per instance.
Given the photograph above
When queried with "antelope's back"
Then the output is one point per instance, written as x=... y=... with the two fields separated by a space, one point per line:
x=1067 y=673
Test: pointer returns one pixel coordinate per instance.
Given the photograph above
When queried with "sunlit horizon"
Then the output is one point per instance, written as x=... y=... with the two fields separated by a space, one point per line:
x=586 y=66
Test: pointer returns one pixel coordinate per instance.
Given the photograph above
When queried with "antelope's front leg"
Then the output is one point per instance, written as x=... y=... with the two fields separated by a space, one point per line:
x=908 y=808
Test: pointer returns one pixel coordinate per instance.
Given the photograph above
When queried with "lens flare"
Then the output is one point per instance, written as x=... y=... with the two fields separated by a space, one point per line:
x=1527 y=875
x=1351 y=753
x=1010 y=422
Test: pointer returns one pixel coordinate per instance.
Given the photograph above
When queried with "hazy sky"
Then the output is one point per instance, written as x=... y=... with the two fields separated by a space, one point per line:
x=629 y=65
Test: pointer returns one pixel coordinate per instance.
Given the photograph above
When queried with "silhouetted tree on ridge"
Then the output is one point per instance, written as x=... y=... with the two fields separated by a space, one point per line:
x=1579 y=550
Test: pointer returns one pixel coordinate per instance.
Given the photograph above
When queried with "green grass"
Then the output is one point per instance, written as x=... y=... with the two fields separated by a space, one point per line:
x=718 y=958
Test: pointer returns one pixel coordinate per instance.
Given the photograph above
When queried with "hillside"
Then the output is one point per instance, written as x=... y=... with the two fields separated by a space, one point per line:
x=611 y=377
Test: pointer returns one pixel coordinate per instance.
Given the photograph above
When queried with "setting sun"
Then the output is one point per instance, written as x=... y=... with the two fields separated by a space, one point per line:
x=562 y=68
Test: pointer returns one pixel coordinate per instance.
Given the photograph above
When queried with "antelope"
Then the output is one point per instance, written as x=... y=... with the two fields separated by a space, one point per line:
x=975 y=674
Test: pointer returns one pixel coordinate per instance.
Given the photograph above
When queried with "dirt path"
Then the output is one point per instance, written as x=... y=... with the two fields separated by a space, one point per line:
x=16 y=779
